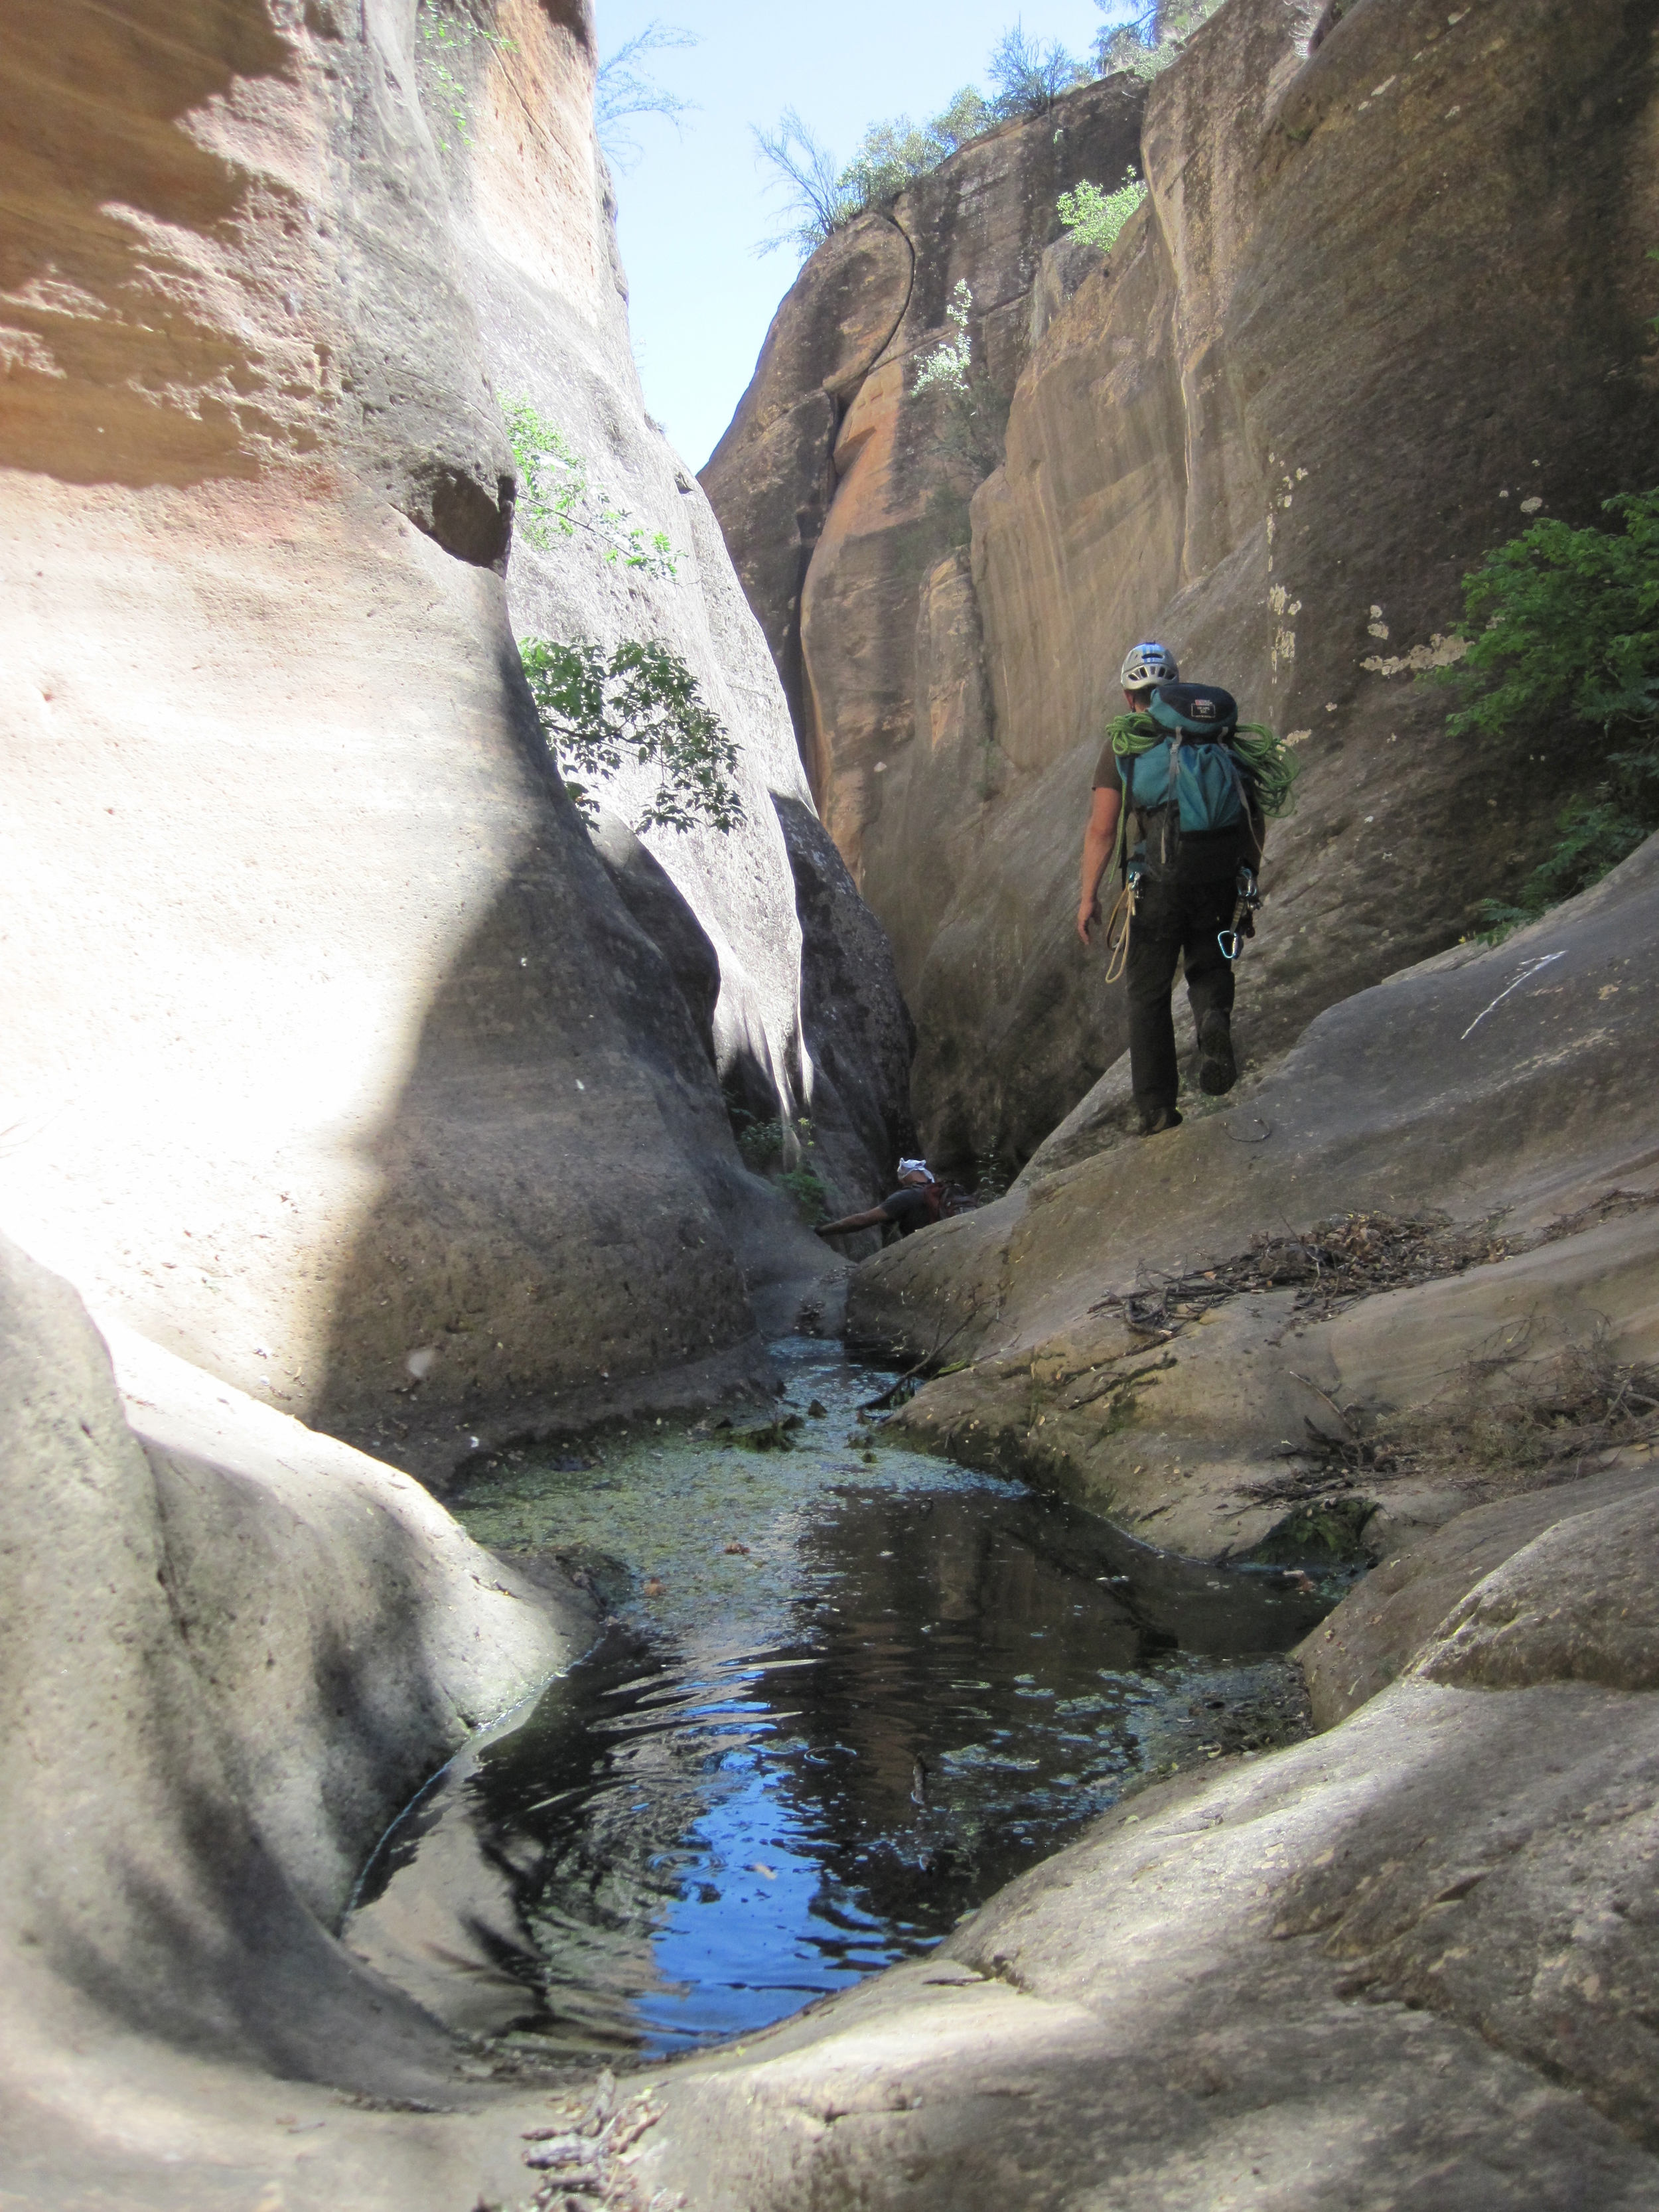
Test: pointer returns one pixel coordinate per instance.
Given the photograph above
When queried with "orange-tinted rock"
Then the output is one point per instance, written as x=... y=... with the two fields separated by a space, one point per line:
x=1367 y=326
x=899 y=476
x=775 y=460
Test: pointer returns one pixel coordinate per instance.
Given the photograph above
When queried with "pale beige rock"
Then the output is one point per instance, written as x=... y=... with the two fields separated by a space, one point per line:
x=335 y=1062
x=1579 y=1604
x=229 y=1650
x=1379 y=1629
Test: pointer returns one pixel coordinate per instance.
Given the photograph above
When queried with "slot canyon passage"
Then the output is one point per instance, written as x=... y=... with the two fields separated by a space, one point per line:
x=529 y=1677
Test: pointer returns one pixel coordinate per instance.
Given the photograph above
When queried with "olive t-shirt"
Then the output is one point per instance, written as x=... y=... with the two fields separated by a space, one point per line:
x=1108 y=777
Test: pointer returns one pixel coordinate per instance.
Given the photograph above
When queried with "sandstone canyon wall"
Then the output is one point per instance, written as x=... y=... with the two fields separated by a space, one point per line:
x=1388 y=298
x=339 y=1059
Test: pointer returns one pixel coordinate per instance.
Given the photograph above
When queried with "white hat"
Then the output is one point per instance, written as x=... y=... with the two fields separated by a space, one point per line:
x=917 y=1167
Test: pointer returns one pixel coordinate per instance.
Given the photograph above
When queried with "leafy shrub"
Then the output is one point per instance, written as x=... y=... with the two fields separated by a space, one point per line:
x=1565 y=625
x=1565 y=622
x=639 y=703
x=946 y=367
x=763 y=1144
x=1097 y=217
x=444 y=40
x=761 y=1141
x=812 y=1199
x=556 y=498
x=975 y=412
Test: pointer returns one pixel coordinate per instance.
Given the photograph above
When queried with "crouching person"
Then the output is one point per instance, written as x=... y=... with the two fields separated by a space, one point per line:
x=920 y=1199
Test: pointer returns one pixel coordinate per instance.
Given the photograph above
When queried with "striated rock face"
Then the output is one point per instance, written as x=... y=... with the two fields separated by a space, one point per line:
x=338 y=1059
x=1372 y=319
x=835 y=471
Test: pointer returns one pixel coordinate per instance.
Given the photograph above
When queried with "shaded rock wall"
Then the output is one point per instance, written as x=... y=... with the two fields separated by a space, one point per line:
x=331 y=1044
x=1388 y=299
x=230 y=1650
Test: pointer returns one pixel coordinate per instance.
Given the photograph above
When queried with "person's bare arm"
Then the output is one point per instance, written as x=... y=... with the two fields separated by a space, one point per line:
x=1098 y=841
x=871 y=1219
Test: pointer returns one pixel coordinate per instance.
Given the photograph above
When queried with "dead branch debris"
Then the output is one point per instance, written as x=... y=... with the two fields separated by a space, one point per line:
x=1565 y=1416
x=588 y=2157
x=1348 y=1256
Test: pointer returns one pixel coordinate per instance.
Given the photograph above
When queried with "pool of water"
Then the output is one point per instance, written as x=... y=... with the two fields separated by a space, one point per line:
x=844 y=1692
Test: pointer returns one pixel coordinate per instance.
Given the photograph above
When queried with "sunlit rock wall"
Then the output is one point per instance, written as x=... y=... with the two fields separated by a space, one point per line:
x=1389 y=300
x=334 y=1058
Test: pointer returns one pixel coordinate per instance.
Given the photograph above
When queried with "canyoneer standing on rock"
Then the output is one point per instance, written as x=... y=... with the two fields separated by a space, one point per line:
x=1201 y=787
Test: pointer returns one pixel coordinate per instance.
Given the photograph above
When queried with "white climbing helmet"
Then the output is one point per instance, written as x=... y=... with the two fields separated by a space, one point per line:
x=1146 y=664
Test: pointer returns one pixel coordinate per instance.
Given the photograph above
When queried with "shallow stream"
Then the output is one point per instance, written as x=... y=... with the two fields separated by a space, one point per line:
x=845 y=1692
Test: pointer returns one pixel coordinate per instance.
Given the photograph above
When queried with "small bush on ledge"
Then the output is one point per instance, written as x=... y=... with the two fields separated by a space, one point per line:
x=1097 y=217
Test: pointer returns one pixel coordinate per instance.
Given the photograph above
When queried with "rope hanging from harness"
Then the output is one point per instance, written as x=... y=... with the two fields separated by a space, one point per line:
x=1118 y=948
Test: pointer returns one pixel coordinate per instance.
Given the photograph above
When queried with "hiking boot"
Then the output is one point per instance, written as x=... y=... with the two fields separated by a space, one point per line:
x=1155 y=1120
x=1217 y=1071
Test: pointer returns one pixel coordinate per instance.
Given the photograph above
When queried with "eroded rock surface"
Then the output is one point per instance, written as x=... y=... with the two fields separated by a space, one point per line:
x=1397 y=1613
x=229 y=1650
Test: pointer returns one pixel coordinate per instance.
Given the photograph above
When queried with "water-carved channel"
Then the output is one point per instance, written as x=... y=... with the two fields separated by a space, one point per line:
x=845 y=1692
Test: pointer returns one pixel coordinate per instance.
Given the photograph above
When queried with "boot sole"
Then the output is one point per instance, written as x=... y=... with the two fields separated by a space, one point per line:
x=1218 y=1070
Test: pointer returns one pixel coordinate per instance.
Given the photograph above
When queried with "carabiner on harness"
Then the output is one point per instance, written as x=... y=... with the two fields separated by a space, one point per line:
x=1231 y=941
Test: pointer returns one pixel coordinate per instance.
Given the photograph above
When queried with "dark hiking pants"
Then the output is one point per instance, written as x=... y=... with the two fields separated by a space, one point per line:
x=1170 y=920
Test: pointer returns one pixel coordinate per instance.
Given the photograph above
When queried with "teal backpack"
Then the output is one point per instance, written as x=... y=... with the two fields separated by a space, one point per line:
x=1194 y=770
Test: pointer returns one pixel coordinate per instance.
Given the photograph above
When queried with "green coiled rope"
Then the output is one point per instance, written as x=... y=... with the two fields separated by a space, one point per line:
x=1271 y=766
x=1268 y=763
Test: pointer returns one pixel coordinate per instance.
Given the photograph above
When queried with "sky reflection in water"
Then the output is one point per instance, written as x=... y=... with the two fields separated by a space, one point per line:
x=797 y=1762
